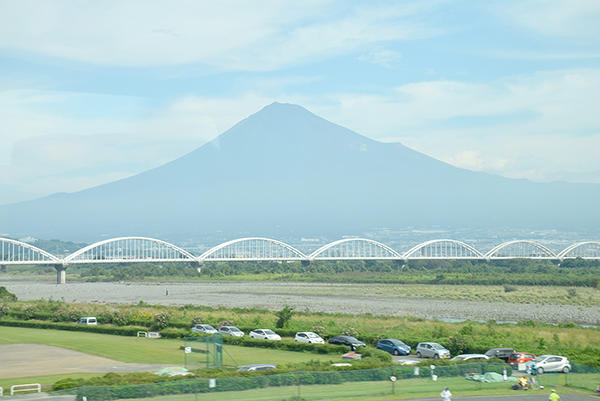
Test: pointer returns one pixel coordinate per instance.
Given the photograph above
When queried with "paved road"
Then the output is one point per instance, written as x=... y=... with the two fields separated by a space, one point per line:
x=22 y=360
x=519 y=397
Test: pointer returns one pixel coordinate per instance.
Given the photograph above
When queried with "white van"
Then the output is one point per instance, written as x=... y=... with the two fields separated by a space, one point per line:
x=88 y=321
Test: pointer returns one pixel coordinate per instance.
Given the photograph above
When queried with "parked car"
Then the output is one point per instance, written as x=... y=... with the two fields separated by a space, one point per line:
x=88 y=320
x=431 y=350
x=308 y=337
x=257 y=367
x=264 y=334
x=231 y=331
x=469 y=357
x=520 y=357
x=500 y=353
x=393 y=346
x=551 y=363
x=204 y=328
x=350 y=341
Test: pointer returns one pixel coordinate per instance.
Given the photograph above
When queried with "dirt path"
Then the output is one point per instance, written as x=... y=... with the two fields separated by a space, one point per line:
x=22 y=360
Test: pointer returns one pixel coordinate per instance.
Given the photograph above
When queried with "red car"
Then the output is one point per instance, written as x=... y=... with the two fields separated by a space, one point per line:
x=520 y=357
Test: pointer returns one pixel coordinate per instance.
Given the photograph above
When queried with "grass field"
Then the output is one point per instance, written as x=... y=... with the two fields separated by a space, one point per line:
x=366 y=391
x=142 y=350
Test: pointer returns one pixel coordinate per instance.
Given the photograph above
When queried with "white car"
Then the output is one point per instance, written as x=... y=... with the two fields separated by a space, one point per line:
x=204 y=328
x=551 y=363
x=88 y=321
x=264 y=334
x=231 y=331
x=469 y=357
x=308 y=337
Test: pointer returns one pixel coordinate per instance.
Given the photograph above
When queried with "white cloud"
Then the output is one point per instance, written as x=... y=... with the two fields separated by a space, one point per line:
x=542 y=126
x=45 y=152
x=228 y=35
x=571 y=19
x=383 y=57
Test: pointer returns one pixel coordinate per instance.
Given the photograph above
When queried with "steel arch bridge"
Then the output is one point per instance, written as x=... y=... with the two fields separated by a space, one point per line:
x=443 y=249
x=584 y=250
x=130 y=249
x=522 y=249
x=252 y=249
x=354 y=248
x=144 y=249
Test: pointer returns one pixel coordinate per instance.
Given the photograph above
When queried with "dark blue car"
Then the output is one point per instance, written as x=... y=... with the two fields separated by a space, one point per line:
x=393 y=346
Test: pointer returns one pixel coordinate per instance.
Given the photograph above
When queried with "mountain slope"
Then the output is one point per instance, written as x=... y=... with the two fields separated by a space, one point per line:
x=287 y=172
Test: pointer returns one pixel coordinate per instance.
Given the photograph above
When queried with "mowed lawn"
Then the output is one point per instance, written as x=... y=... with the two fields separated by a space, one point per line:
x=144 y=350
x=367 y=391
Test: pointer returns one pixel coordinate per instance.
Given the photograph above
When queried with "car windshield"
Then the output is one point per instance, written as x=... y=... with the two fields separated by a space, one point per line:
x=234 y=329
x=397 y=342
x=312 y=335
x=269 y=331
x=460 y=357
x=437 y=346
x=352 y=339
x=207 y=327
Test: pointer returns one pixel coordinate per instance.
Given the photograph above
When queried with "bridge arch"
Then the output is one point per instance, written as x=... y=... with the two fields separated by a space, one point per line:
x=585 y=250
x=354 y=248
x=130 y=249
x=252 y=249
x=520 y=249
x=18 y=252
x=443 y=249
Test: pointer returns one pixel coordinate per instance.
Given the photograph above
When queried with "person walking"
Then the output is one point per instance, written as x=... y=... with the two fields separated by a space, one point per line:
x=554 y=396
x=446 y=394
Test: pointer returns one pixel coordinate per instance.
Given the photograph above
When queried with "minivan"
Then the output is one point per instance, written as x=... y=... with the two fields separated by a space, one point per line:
x=88 y=321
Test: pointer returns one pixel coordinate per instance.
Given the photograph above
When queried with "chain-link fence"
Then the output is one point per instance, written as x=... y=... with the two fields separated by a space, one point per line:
x=326 y=384
x=203 y=352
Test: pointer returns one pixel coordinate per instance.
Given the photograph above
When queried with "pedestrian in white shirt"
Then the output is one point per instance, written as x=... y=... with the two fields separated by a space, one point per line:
x=446 y=394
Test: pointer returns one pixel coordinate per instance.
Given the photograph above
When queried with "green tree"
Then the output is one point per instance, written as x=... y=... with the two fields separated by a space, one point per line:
x=284 y=316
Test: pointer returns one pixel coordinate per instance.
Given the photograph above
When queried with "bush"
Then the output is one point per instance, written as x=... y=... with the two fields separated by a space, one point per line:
x=6 y=295
x=160 y=321
x=284 y=316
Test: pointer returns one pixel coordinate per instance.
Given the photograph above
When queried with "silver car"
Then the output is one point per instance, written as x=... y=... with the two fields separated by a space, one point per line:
x=431 y=350
x=551 y=363
x=231 y=331
x=204 y=328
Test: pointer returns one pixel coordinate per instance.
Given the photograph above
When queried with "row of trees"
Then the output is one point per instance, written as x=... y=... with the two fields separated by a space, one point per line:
x=574 y=272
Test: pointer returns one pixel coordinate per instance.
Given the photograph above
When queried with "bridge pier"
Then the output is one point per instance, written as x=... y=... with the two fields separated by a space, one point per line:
x=61 y=274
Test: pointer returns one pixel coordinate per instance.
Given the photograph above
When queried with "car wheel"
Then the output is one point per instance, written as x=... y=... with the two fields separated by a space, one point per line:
x=436 y=356
x=566 y=369
x=419 y=355
x=396 y=352
x=540 y=371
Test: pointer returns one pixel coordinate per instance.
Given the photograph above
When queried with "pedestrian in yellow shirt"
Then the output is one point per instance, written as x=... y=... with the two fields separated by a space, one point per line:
x=554 y=396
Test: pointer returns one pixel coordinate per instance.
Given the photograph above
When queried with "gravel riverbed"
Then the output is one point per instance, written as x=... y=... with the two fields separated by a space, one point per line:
x=322 y=297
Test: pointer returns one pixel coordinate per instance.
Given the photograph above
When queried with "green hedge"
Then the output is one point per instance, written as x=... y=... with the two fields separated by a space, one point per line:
x=245 y=341
x=101 y=328
x=200 y=385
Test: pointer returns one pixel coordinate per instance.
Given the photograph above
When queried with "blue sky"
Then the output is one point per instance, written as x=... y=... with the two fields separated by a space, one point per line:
x=95 y=91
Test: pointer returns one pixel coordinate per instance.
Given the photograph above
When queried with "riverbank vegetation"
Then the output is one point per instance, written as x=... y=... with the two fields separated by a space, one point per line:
x=569 y=273
x=578 y=343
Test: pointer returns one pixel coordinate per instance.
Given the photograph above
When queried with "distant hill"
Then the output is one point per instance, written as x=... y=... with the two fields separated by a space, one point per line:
x=286 y=172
